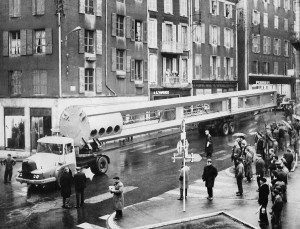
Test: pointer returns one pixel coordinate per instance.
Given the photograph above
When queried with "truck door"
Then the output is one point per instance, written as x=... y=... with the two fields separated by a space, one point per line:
x=69 y=154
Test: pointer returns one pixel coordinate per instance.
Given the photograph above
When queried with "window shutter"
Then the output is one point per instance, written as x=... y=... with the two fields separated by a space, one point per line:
x=113 y=24
x=145 y=35
x=48 y=32
x=128 y=27
x=99 y=9
x=188 y=38
x=145 y=70
x=279 y=47
x=274 y=46
x=219 y=35
x=164 y=66
x=203 y=33
x=253 y=17
x=43 y=81
x=210 y=34
x=231 y=38
x=225 y=67
x=81 y=41
x=230 y=13
x=81 y=80
x=232 y=68
x=23 y=42
x=81 y=6
x=29 y=42
x=17 y=6
x=132 y=31
x=113 y=59
x=33 y=7
x=163 y=31
x=211 y=67
x=179 y=34
x=98 y=80
x=218 y=8
x=99 y=42
x=5 y=43
x=224 y=10
x=11 y=8
x=128 y=67
x=132 y=70
x=40 y=7
x=219 y=67
x=125 y=59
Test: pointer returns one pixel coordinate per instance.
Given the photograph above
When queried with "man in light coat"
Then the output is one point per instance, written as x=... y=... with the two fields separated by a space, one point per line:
x=208 y=176
x=186 y=170
x=239 y=175
x=118 y=198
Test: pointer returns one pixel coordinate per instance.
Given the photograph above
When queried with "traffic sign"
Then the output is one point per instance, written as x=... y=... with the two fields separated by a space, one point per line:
x=181 y=147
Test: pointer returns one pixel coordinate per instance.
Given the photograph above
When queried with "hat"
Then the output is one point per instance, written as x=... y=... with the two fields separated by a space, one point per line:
x=9 y=154
x=116 y=178
x=280 y=166
x=209 y=160
x=276 y=191
x=240 y=159
x=263 y=179
x=78 y=168
x=244 y=142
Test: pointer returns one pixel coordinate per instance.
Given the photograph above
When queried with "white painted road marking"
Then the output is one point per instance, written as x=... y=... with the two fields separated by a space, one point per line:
x=89 y=226
x=104 y=217
x=152 y=150
x=167 y=151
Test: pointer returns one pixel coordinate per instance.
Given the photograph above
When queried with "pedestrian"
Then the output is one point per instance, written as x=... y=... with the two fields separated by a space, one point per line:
x=239 y=174
x=66 y=181
x=9 y=162
x=260 y=169
x=208 y=144
x=289 y=157
x=276 y=210
x=118 y=198
x=260 y=144
x=282 y=175
x=272 y=166
x=209 y=175
x=263 y=199
x=293 y=139
x=186 y=170
x=80 y=184
x=248 y=165
x=281 y=136
x=235 y=153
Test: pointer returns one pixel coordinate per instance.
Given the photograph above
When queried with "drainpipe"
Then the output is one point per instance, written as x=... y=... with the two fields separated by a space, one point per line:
x=106 y=42
x=236 y=49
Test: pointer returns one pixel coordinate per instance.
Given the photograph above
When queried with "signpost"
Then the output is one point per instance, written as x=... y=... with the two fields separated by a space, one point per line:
x=182 y=152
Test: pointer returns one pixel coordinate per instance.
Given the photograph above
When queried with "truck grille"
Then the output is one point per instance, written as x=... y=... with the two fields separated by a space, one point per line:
x=28 y=166
x=27 y=176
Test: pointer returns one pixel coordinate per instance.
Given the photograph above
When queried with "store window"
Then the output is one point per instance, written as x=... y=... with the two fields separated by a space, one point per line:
x=14 y=128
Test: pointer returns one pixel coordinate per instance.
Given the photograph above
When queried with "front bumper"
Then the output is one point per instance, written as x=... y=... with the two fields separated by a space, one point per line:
x=43 y=181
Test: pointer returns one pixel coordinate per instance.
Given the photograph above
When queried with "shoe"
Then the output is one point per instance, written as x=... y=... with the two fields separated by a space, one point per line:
x=239 y=194
x=116 y=218
x=210 y=198
x=207 y=197
x=180 y=198
x=257 y=190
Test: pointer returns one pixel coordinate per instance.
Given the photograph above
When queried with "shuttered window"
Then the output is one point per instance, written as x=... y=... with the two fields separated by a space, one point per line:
x=40 y=41
x=275 y=68
x=15 y=8
x=38 y=7
x=227 y=10
x=89 y=79
x=138 y=30
x=183 y=7
x=120 y=26
x=120 y=55
x=89 y=41
x=153 y=68
x=152 y=33
x=15 y=83
x=99 y=42
x=152 y=5
x=99 y=80
x=39 y=82
x=14 y=43
x=286 y=24
x=198 y=66
x=168 y=6
x=89 y=6
x=138 y=70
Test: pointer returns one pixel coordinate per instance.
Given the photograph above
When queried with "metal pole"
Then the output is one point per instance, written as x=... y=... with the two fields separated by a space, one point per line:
x=184 y=180
x=59 y=54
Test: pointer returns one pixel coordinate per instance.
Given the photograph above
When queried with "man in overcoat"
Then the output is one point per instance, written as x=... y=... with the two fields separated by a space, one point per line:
x=239 y=175
x=289 y=157
x=9 y=162
x=248 y=165
x=66 y=181
x=260 y=169
x=80 y=184
x=186 y=170
x=118 y=198
x=276 y=210
x=208 y=144
x=209 y=175
x=263 y=199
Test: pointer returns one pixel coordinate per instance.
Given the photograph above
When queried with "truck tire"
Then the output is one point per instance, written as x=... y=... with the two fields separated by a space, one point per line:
x=231 y=127
x=100 y=166
x=225 y=128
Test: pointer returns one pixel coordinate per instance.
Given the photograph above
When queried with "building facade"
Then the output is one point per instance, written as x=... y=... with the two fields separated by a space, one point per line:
x=60 y=53
x=266 y=57
x=214 y=46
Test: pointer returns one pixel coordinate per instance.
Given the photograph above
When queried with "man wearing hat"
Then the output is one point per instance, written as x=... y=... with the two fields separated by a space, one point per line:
x=118 y=198
x=276 y=210
x=289 y=157
x=9 y=162
x=260 y=169
x=239 y=175
x=209 y=175
x=80 y=184
x=263 y=198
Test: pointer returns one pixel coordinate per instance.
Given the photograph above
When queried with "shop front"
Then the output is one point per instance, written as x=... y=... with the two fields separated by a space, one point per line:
x=203 y=87
x=167 y=93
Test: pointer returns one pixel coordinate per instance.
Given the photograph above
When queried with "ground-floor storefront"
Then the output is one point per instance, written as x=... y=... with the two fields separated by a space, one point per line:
x=157 y=93
x=203 y=87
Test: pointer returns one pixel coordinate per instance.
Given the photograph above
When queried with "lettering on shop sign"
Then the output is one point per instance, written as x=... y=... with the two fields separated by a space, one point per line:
x=262 y=82
x=161 y=93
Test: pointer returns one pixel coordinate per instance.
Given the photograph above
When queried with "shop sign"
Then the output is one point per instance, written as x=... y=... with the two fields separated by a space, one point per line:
x=262 y=82
x=161 y=93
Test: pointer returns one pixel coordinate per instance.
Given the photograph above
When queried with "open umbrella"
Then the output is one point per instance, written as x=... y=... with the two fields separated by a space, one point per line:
x=286 y=124
x=239 y=135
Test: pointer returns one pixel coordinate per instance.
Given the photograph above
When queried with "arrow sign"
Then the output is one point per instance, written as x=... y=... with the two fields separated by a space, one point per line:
x=197 y=157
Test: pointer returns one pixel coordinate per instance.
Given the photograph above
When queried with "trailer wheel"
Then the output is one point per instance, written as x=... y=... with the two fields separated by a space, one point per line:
x=100 y=166
x=225 y=128
x=231 y=127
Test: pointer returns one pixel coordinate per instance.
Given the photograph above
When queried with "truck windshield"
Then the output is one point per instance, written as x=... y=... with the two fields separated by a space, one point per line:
x=50 y=148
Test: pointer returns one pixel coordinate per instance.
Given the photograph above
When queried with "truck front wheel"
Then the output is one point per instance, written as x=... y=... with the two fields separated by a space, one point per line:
x=100 y=166
x=225 y=128
x=231 y=127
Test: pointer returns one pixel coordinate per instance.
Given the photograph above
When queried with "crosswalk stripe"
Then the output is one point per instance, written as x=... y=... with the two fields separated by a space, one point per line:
x=107 y=195
x=167 y=151
x=223 y=158
x=104 y=217
x=89 y=226
x=156 y=198
x=141 y=146
x=174 y=192
x=219 y=152
x=152 y=150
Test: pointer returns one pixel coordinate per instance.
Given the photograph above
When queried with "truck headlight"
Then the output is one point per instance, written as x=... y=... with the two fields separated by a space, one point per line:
x=36 y=176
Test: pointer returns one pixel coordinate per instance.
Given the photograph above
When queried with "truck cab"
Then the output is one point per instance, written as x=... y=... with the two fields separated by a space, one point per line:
x=53 y=154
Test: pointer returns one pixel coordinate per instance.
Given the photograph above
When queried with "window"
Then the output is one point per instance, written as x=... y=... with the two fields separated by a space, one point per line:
x=89 y=79
x=256 y=17
x=89 y=41
x=255 y=67
x=227 y=10
x=285 y=68
x=213 y=67
x=214 y=7
x=256 y=44
x=277 y=46
x=15 y=82
x=286 y=24
x=286 y=48
x=198 y=66
x=197 y=6
x=15 y=43
x=168 y=6
x=214 y=35
x=183 y=8
x=275 y=68
x=40 y=41
x=169 y=33
x=152 y=5
x=184 y=36
x=120 y=26
x=277 y=3
x=120 y=60
x=138 y=70
x=152 y=33
x=197 y=33
x=266 y=68
x=38 y=7
x=185 y=70
x=267 y=45
x=39 y=82
x=276 y=22
x=138 y=31
x=15 y=8
x=227 y=66
x=89 y=6
x=266 y=20
x=227 y=37
x=153 y=69
x=287 y=5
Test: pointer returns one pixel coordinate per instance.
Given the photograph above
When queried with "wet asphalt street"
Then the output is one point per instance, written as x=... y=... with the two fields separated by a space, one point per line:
x=146 y=170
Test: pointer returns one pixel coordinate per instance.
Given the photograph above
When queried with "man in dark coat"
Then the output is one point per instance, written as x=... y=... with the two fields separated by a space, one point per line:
x=281 y=136
x=9 y=162
x=282 y=176
x=239 y=175
x=80 y=184
x=118 y=198
x=209 y=175
x=260 y=169
x=293 y=139
x=208 y=144
x=276 y=210
x=263 y=199
x=289 y=157
x=66 y=181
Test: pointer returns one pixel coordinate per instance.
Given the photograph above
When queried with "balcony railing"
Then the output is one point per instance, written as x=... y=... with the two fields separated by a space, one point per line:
x=295 y=39
x=174 y=80
x=171 y=47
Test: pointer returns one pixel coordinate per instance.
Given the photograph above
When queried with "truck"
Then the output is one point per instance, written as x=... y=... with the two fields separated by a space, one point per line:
x=83 y=129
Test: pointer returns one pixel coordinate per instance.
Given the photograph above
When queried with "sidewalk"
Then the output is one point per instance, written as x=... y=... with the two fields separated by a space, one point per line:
x=165 y=209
